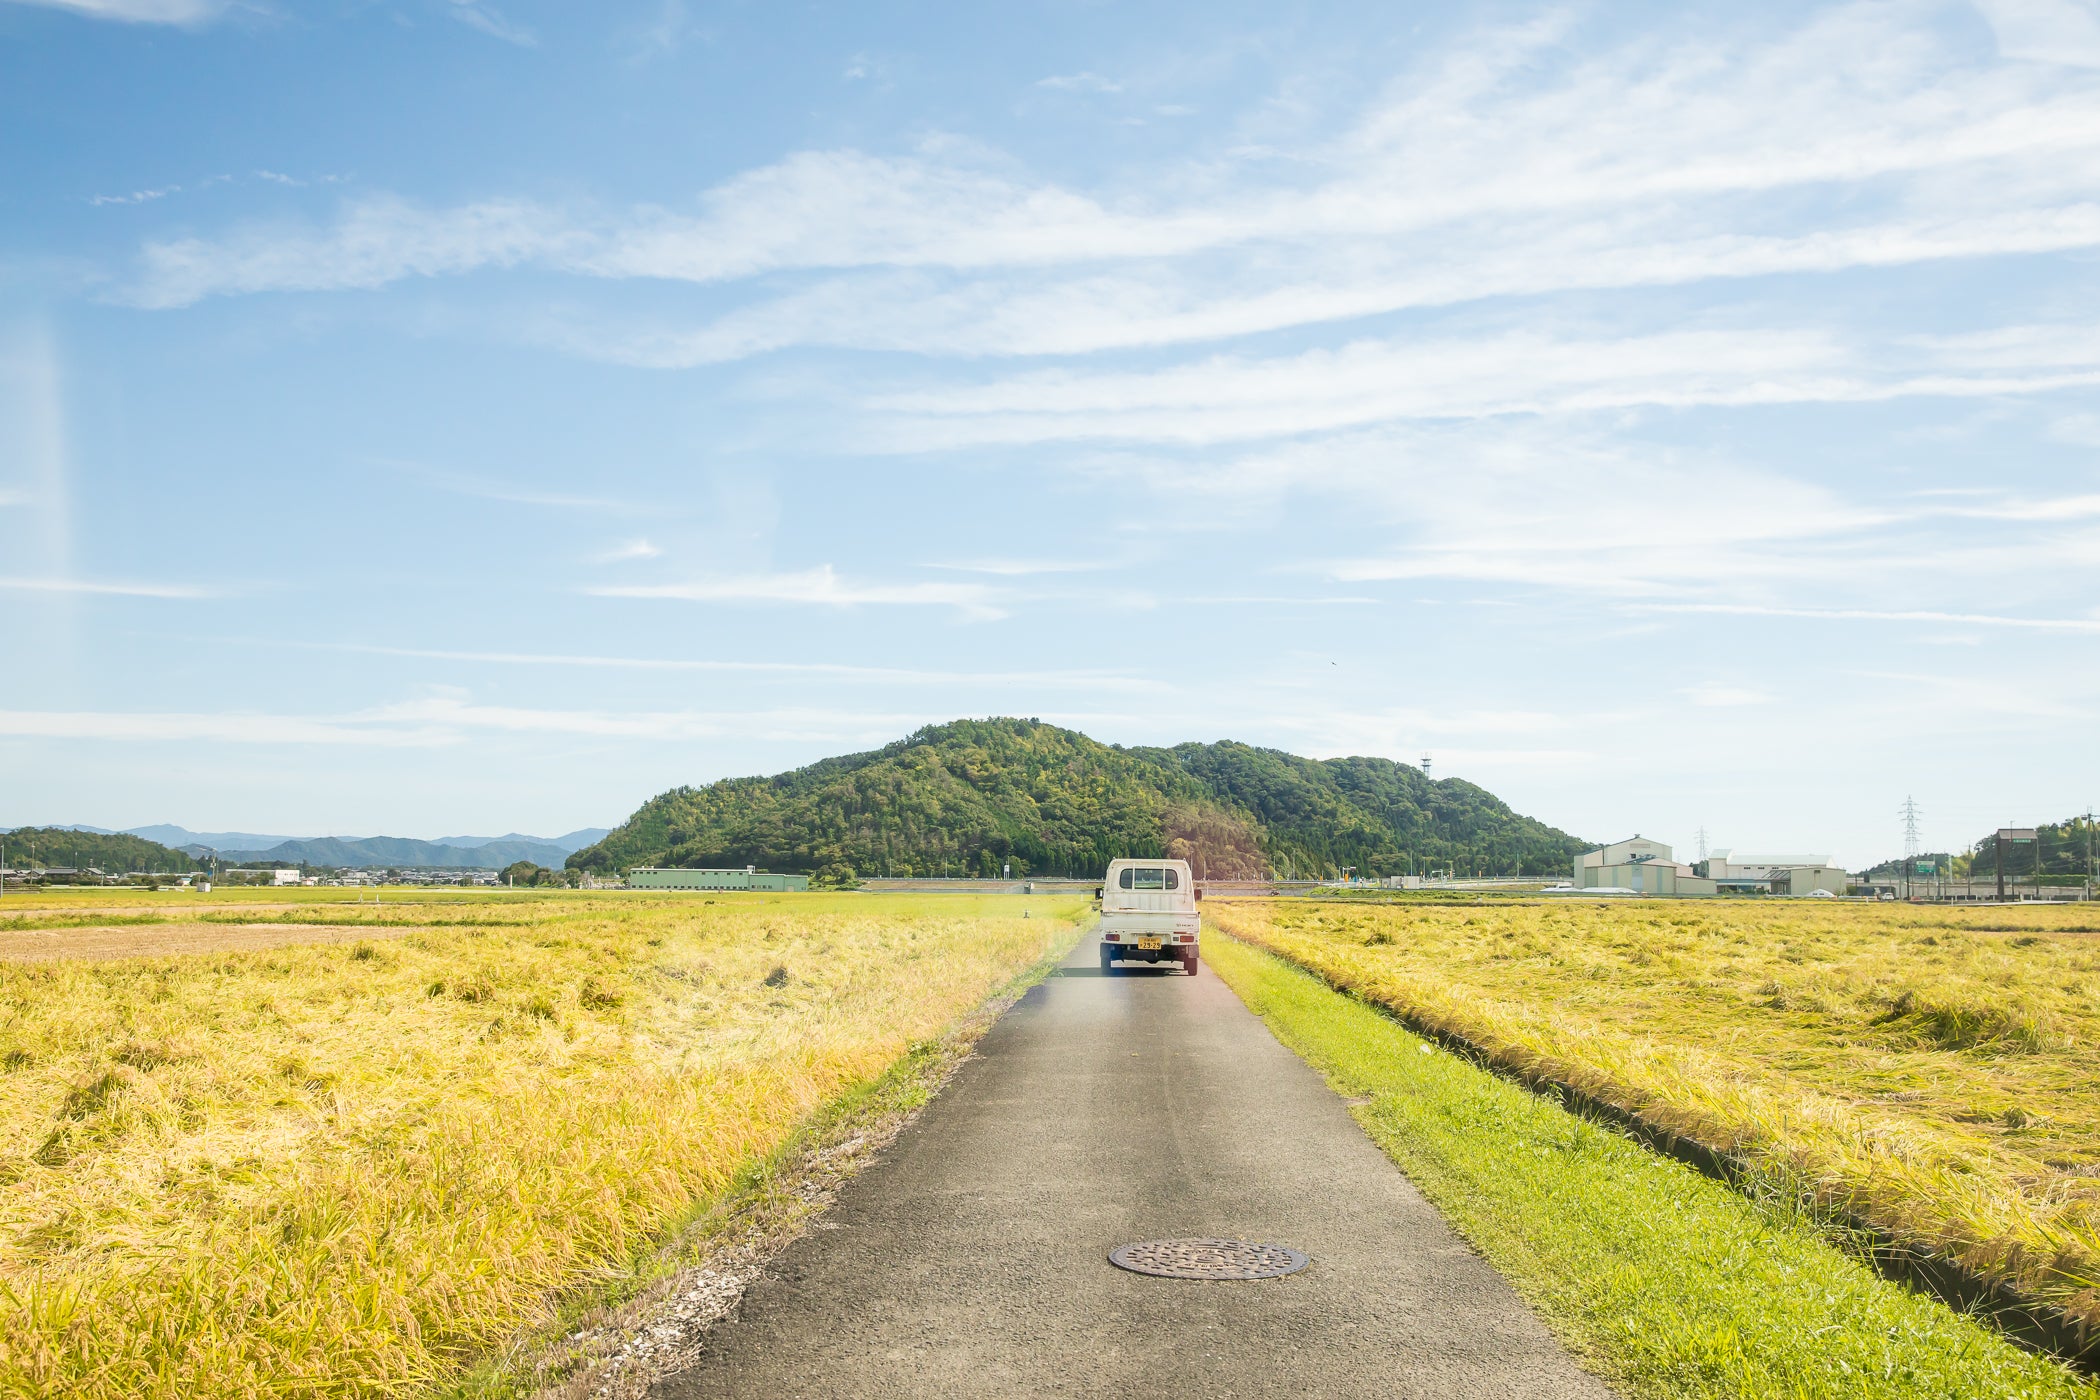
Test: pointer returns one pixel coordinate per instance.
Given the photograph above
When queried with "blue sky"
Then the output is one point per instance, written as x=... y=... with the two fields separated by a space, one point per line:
x=434 y=415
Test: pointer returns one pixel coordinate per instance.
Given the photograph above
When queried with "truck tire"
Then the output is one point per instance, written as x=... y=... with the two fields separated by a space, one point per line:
x=1188 y=964
x=1108 y=959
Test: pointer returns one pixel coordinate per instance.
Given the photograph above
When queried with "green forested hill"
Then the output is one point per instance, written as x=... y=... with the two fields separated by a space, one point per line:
x=111 y=852
x=965 y=798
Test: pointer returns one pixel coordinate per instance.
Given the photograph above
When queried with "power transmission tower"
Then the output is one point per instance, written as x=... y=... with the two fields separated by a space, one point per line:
x=1702 y=843
x=1425 y=765
x=1909 y=812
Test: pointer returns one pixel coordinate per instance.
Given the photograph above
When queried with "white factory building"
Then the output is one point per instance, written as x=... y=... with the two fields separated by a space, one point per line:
x=1795 y=875
x=1648 y=867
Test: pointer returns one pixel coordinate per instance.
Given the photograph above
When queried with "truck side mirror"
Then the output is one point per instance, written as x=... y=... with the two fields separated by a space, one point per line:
x=1199 y=891
x=1097 y=891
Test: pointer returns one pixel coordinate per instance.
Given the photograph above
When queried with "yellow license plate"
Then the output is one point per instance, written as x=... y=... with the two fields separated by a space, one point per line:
x=1146 y=945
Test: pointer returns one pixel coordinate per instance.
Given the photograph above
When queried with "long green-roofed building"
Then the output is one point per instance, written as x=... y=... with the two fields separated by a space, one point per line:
x=659 y=877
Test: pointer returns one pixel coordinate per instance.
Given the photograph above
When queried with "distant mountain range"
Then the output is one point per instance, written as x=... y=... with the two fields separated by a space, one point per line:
x=457 y=852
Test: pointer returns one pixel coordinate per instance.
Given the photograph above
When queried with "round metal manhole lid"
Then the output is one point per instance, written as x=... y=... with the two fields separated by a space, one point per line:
x=1207 y=1259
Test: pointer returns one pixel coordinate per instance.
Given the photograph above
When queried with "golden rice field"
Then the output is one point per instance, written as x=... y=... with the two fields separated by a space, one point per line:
x=1935 y=1071
x=352 y=1167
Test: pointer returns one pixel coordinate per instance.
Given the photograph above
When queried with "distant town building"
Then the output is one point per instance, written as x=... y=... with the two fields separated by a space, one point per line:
x=651 y=877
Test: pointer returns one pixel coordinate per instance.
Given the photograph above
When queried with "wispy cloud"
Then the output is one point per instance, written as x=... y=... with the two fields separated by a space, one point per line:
x=232 y=727
x=452 y=718
x=1080 y=679
x=1079 y=82
x=1965 y=619
x=624 y=553
x=1577 y=507
x=1718 y=696
x=107 y=588
x=821 y=586
x=2046 y=31
x=376 y=241
x=136 y=196
x=1416 y=378
x=477 y=14
x=663 y=33
x=1500 y=166
x=515 y=493
x=1025 y=568
x=142 y=11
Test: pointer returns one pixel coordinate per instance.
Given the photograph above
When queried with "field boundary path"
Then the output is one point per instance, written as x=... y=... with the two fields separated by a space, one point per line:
x=970 y=1260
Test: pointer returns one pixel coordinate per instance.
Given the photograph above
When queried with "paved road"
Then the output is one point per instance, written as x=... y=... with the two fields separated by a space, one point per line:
x=969 y=1261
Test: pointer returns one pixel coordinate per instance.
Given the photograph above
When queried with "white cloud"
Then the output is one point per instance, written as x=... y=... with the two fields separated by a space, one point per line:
x=105 y=588
x=142 y=11
x=477 y=15
x=2089 y=625
x=2046 y=31
x=136 y=196
x=821 y=586
x=1228 y=398
x=1024 y=568
x=375 y=242
x=894 y=675
x=663 y=34
x=449 y=718
x=633 y=549
x=234 y=727
x=1574 y=508
x=1714 y=695
x=489 y=489
x=1499 y=167
x=1079 y=82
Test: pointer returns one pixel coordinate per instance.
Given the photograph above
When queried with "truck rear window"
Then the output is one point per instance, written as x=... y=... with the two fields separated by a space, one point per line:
x=1149 y=877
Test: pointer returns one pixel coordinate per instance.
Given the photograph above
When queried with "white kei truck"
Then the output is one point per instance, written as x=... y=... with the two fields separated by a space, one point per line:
x=1148 y=914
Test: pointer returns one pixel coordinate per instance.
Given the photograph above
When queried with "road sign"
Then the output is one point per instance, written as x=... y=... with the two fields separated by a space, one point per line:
x=2015 y=833
x=1927 y=867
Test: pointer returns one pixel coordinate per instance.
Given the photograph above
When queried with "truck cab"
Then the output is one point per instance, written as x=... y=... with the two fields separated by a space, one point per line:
x=1148 y=914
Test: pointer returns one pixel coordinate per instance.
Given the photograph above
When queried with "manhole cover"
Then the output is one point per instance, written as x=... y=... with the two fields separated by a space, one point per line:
x=1208 y=1259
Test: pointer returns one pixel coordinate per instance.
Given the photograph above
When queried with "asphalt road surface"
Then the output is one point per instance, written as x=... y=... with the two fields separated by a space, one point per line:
x=971 y=1259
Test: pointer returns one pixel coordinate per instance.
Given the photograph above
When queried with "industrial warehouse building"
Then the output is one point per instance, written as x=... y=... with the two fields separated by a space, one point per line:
x=1795 y=875
x=653 y=877
x=1647 y=867
x=1637 y=864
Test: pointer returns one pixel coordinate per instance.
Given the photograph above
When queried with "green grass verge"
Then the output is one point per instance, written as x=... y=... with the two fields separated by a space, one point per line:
x=1663 y=1281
